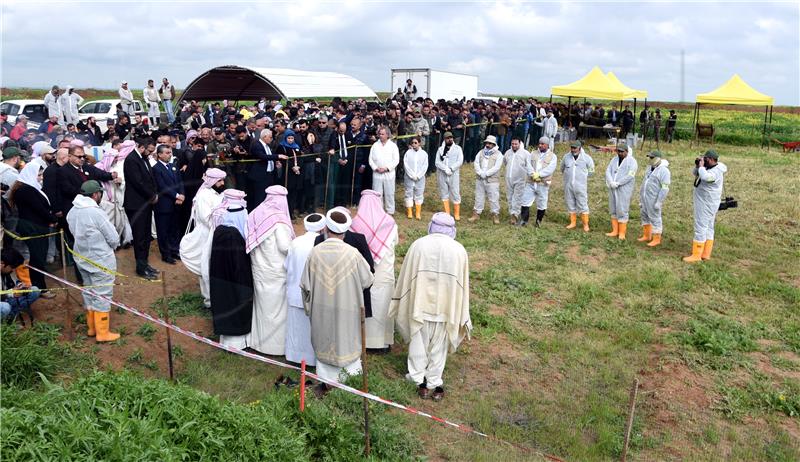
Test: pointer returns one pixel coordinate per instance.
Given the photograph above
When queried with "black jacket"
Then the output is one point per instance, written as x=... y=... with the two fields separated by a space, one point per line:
x=169 y=184
x=50 y=187
x=32 y=207
x=359 y=242
x=257 y=171
x=70 y=180
x=140 y=187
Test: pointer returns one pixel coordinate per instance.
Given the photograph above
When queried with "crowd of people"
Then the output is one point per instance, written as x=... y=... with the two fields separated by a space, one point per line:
x=219 y=188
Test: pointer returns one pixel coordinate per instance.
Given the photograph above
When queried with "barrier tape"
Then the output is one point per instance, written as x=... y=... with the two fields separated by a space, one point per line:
x=26 y=238
x=464 y=428
x=101 y=267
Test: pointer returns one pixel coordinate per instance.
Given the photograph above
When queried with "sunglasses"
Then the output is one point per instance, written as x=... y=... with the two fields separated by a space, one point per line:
x=79 y=157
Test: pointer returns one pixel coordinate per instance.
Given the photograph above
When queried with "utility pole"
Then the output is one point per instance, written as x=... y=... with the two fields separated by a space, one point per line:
x=683 y=75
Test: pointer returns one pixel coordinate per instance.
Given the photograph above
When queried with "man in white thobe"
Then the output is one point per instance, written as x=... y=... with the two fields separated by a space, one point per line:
x=230 y=198
x=383 y=160
x=269 y=235
x=333 y=286
x=431 y=302
x=449 y=158
x=193 y=243
x=298 y=325
x=380 y=231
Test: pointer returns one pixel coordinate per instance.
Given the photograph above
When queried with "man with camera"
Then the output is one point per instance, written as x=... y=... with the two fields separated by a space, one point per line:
x=709 y=174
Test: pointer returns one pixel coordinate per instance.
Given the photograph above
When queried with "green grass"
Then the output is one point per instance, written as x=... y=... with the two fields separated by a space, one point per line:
x=146 y=331
x=185 y=304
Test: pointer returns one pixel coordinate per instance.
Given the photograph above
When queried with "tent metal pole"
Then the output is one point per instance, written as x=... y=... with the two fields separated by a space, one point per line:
x=764 y=128
x=569 y=111
x=634 y=115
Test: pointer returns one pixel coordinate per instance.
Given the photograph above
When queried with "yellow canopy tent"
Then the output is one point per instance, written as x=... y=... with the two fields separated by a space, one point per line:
x=598 y=85
x=736 y=91
x=629 y=92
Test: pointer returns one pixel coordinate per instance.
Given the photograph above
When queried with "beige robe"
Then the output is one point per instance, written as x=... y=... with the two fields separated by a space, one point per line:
x=270 y=304
x=433 y=286
x=332 y=285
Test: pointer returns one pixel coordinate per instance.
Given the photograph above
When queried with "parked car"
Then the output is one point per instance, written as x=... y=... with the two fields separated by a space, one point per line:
x=34 y=109
x=104 y=109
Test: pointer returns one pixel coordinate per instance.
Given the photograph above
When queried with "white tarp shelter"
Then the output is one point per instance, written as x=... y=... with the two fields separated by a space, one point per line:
x=251 y=83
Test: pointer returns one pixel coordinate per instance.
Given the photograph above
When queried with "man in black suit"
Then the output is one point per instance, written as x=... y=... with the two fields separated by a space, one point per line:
x=263 y=174
x=359 y=242
x=140 y=196
x=74 y=174
x=345 y=159
x=170 y=197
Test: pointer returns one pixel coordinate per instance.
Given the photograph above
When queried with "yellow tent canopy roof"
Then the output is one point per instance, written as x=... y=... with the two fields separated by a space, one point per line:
x=629 y=92
x=736 y=91
x=595 y=84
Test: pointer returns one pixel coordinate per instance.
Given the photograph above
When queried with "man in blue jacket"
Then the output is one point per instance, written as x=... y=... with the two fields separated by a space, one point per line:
x=170 y=198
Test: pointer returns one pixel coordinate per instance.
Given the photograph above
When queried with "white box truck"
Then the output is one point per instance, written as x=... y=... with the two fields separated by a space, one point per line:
x=435 y=84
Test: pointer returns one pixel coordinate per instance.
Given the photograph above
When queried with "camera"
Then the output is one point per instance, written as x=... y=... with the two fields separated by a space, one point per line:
x=728 y=203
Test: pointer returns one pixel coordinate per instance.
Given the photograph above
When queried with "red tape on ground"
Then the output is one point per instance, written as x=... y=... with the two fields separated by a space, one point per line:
x=341 y=386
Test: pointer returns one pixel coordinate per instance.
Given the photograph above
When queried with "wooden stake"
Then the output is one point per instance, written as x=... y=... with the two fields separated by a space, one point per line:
x=67 y=297
x=302 y=385
x=365 y=383
x=629 y=424
x=166 y=318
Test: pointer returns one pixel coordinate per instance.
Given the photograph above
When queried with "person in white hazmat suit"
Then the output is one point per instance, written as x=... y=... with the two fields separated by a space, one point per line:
x=70 y=101
x=449 y=158
x=95 y=239
x=652 y=194
x=193 y=243
x=537 y=190
x=517 y=161
x=549 y=129
x=709 y=174
x=577 y=167
x=415 y=165
x=52 y=101
x=621 y=182
x=488 y=162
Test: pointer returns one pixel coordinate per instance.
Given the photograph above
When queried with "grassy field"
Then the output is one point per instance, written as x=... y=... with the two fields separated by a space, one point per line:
x=566 y=320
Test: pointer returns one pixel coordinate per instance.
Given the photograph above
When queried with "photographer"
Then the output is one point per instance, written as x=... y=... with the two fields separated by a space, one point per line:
x=709 y=174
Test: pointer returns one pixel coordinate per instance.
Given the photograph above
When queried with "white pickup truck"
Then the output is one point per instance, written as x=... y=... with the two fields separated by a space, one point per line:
x=104 y=109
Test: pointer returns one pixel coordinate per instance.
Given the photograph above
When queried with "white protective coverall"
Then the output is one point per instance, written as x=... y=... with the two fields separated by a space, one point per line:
x=487 y=179
x=576 y=173
x=518 y=165
x=652 y=194
x=448 y=167
x=621 y=182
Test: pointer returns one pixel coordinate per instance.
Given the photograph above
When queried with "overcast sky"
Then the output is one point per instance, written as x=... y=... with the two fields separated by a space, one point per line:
x=515 y=47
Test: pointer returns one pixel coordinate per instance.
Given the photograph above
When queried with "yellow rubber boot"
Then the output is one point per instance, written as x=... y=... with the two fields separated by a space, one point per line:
x=647 y=233
x=709 y=244
x=697 y=251
x=585 y=219
x=90 y=322
x=457 y=211
x=446 y=207
x=101 y=322
x=409 y=213
x=614 y=228
x=656 y=240
x=573 y=219
x=623 y=230
x=418 y=208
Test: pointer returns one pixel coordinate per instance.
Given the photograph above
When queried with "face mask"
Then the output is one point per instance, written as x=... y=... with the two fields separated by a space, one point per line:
x=487 y=152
